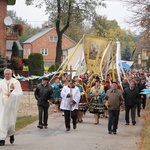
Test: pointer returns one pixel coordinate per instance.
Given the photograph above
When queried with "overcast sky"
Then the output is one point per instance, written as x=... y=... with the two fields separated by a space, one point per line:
x=35 y=16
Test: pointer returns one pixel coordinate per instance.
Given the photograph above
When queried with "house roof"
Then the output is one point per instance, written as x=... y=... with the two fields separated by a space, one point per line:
x=69 y=38
x=9 y=44
x=35 y=37
x=69 y=47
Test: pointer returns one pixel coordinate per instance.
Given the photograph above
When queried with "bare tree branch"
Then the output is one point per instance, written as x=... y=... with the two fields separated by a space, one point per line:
x=140 y=10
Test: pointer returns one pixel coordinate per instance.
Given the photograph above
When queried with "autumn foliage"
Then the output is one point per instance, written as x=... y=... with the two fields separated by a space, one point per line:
x=17 y=63
x=19 y=29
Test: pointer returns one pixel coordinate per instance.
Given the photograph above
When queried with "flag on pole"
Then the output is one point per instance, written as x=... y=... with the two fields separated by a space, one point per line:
x=93 y=50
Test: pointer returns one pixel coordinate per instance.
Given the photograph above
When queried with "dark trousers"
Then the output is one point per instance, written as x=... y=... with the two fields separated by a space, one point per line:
x=138 y=108
x=43 y=115
x=113 y=120
x=143 y=102
x=133 y=110
x=67 y=115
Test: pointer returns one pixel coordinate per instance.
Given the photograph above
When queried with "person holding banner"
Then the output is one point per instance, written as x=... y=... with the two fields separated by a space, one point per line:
x=70 y=100
x=10 y=94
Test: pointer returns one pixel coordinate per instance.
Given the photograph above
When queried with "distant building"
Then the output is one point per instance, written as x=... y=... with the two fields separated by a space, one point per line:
x=45 y=43
x=144 y=56
x=139 y=60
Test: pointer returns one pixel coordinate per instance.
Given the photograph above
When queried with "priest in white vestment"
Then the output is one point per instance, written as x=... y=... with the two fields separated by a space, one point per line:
x=70 y=100
x=10 y=94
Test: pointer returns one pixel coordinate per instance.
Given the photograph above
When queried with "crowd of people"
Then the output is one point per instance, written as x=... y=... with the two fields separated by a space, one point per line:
x=103 y=98
x=74 y=97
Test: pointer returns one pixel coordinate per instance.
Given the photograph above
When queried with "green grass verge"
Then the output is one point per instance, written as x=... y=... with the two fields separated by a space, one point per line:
x=145 y=145
x=24 y=121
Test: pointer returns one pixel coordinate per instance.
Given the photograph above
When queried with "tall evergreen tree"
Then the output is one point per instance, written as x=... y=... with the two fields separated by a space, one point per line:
x=16 y=60
x=126 y=55
x=15 y=50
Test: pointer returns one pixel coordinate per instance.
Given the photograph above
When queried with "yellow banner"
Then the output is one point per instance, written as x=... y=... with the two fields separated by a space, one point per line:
x=93 y=50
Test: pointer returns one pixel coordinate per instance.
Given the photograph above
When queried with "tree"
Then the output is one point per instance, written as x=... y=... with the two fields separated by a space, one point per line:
x=54 y=67
x=36 y=64
x=141 y=12
x=76 y=28
x=100 y=24
x=126 y=55
x=66 y=10
x=15 y=50
x=3 y=65
x=16 y=60
x=141 y=43
x=111 y=30
x=29 y=31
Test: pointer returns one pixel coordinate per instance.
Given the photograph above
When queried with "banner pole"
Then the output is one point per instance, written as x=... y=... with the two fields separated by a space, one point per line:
x=113 y=74
x=77 y=46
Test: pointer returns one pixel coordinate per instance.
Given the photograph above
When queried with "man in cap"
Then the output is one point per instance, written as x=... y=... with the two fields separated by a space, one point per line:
x=44 y=97
x=114 y=100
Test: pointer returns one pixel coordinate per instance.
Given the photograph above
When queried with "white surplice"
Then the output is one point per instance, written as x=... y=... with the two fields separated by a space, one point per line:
x=9 y=106
x=65 y=103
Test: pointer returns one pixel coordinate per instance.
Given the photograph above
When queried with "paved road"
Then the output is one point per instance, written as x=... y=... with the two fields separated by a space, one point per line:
x=87 y=136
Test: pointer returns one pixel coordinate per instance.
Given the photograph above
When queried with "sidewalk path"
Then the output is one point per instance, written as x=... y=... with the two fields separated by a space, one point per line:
x=87 y=136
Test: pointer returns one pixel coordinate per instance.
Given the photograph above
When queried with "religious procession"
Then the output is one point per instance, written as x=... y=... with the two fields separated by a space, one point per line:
x=92 y=74
x=103 y=90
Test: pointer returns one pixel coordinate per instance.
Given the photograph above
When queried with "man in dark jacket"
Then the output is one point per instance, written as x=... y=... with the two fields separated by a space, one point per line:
x=143 y=96
x=44 y=96
x=130 y=95
x=138 y=86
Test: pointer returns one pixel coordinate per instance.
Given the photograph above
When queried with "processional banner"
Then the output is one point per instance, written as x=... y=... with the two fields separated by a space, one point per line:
x=93 y=50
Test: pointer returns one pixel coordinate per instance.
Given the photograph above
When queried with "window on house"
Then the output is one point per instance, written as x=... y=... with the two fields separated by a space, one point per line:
x=53 y=38
x=44 y=51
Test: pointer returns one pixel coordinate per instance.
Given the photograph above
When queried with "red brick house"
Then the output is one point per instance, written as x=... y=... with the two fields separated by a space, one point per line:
x=3 y=13
x=45 y=43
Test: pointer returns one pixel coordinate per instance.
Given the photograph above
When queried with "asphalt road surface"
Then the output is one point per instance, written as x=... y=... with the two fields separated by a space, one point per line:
x=87 y=136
